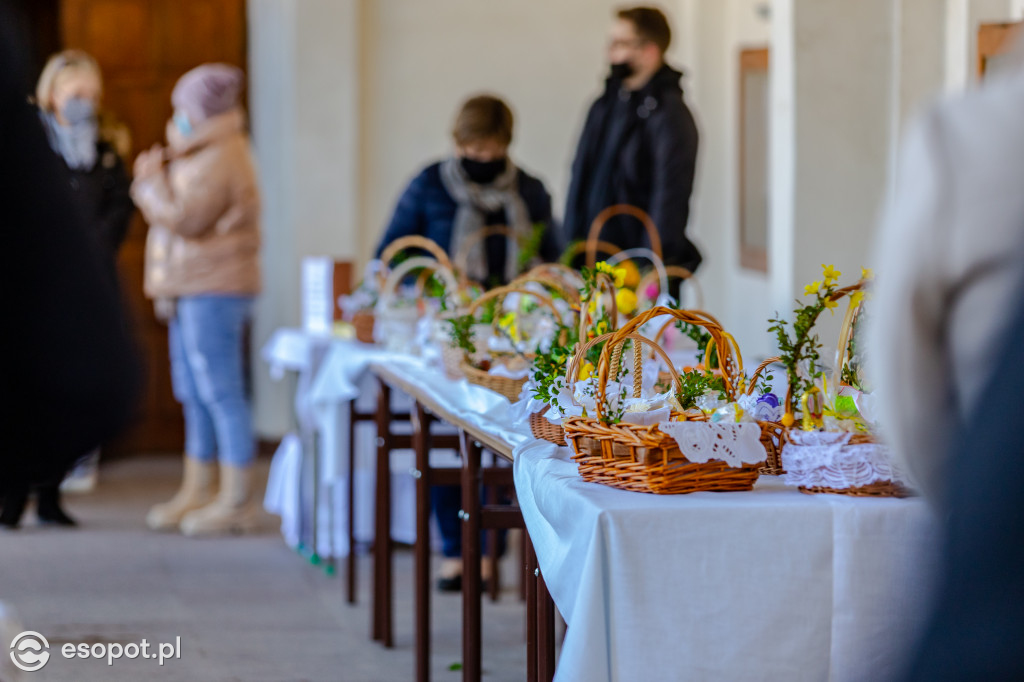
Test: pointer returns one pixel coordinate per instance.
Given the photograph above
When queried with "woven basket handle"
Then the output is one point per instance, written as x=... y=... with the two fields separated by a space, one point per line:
x=396 y=276
x=553 y=284
x=608 y=366
x=845 y=334
x=501 y=292
x=621 y=209
x=569 y=279
x=466 y=247
x=757 y=373
x=843 y=341
x=415 y=241
x=600 y=246
x=640 y=252
x=718 y=336
x=723 y=358
x=659 y=336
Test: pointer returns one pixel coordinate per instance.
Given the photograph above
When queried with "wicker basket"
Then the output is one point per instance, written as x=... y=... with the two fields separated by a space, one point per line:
x=508 y=387
x=451 y=359
x=542 y=429
x=878 y=488
x=643 y=458
x=363 y=323
x=364 y=320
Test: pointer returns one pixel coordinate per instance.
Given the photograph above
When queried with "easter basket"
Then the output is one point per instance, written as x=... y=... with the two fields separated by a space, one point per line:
x=478 y=369
x=674 y=456
x=397 y=318
x=363 y=320
x=842 y=462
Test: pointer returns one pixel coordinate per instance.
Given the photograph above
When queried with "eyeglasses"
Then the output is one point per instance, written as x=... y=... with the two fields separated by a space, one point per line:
x=626 y=42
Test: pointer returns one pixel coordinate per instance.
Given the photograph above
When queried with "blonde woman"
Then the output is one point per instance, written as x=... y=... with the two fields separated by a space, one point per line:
x=68 y=94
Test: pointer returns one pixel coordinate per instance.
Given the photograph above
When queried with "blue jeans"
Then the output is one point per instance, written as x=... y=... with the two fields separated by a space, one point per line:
x=207 y=373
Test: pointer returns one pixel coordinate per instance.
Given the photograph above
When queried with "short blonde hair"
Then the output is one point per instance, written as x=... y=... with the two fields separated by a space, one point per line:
x=63 y=63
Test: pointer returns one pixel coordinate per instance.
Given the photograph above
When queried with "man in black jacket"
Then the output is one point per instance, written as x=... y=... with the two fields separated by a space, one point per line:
x=639 y=144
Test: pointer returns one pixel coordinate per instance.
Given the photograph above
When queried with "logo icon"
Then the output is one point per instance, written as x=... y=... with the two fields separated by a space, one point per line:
x=29 y=651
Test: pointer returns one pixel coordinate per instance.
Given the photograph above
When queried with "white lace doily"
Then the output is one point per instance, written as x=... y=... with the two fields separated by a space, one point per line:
x=734 y=444
x=826 y=459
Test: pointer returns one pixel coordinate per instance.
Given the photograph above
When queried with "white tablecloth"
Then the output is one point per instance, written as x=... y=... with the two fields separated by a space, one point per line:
x=769 y=584
x=331 y=373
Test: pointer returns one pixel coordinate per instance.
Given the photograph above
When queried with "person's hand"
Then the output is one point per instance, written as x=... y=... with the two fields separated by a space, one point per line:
x=165 y=309
x=149 y=162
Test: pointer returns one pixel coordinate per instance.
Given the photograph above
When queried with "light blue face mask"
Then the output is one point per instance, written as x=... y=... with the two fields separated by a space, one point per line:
x=184 y=125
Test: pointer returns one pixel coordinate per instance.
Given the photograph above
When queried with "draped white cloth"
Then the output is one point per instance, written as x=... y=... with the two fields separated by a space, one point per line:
x=769 y=584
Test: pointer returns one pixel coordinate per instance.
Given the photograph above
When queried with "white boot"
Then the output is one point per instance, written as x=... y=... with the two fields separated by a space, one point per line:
x=232 y=512
x=196 y=491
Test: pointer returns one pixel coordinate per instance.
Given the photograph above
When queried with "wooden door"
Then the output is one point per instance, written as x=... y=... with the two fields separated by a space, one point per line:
x=143 y=47
x=995 y=41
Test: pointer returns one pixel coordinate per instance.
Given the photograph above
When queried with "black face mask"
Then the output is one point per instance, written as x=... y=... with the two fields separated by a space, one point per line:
x=483 y=172
x=621 y=71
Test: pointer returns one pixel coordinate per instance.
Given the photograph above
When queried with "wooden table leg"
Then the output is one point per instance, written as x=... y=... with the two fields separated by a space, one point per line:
x=530 y=574
x=421 y=444
x=493 y=585
x=470 y=513
x=350 y=560
x=382 y=630
x=545 y=631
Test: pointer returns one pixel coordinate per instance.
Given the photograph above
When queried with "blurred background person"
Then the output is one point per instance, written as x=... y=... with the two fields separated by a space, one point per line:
x=478 y=186
x=71 y=370
x=201 y=200
x=945 y=344
x=69 y=94
x=450 y=200
x=639 y=144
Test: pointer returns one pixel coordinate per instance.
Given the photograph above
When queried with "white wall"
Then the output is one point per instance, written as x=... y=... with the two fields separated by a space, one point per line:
x=424 y=58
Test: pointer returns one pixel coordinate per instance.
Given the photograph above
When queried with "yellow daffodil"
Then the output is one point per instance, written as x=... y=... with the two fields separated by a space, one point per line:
x=867 y=274
x=831 y=274
x=625 y=299
x=586 y=371
x=812 y=288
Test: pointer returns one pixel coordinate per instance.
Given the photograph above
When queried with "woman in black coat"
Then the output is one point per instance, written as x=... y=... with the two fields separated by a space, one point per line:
x=71 y=373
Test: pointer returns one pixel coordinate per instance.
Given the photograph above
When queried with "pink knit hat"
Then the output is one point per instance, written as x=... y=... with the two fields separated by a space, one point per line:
x=207 y=90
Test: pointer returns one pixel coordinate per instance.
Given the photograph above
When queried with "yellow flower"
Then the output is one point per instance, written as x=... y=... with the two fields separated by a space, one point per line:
x=602 y=327
x=856 y=298
x=625 y=299
x=508 y=323
x=617 y=274
x=831 y=274
x=812 y=288
x=592 y=308
x=830 y=304
x=586 y=371
x=867 y=274
x=632 y=274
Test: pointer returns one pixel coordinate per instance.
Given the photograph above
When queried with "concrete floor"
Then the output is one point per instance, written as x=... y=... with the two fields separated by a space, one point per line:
x=246 y=608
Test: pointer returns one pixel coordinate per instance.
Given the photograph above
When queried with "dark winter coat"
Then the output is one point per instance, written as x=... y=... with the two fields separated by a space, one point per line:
x=102 y=195
x=651 y=156
x=425 y=208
